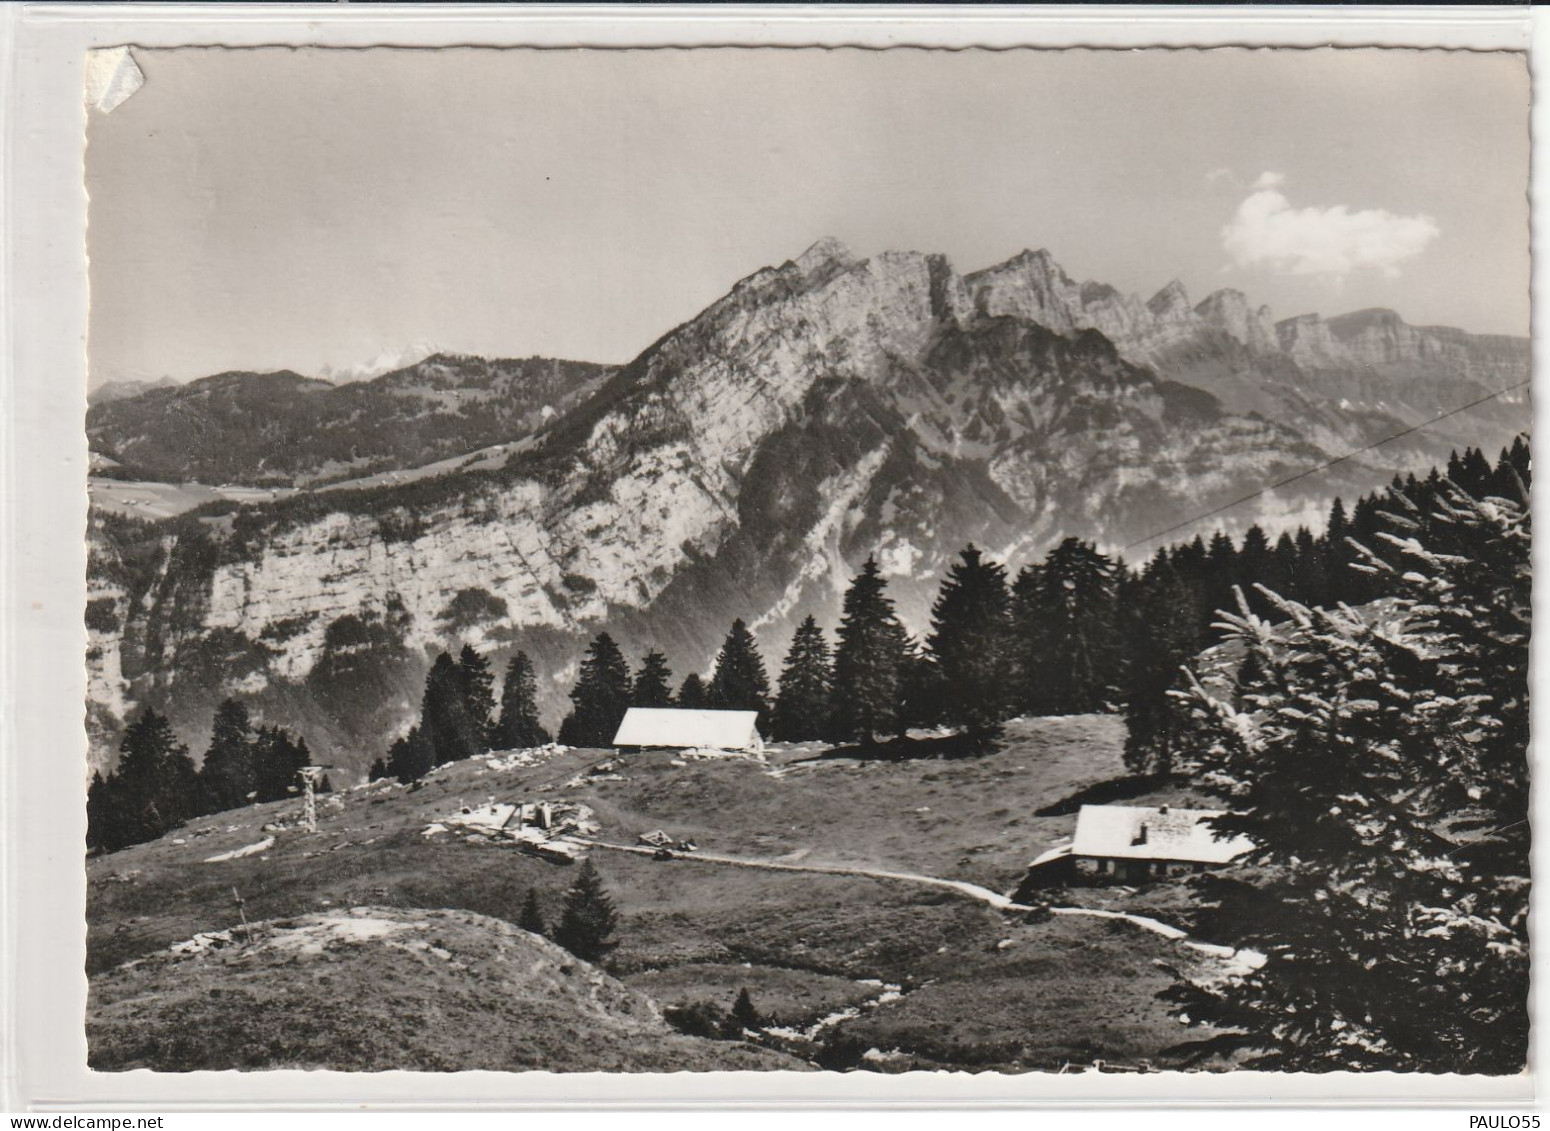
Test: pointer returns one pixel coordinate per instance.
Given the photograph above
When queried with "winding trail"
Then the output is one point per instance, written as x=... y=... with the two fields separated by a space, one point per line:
x=1244 y=960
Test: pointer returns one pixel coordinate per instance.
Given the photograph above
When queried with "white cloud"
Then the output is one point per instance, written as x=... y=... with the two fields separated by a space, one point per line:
x=1330 y=241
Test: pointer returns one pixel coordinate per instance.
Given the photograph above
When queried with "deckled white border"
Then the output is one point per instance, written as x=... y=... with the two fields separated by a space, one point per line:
x=42 y=521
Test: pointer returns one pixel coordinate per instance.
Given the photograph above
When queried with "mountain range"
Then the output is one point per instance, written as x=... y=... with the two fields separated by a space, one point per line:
x=744 y=464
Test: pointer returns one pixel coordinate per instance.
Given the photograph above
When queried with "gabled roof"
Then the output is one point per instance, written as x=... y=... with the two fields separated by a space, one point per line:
x=679 y=727
x=1146 y=833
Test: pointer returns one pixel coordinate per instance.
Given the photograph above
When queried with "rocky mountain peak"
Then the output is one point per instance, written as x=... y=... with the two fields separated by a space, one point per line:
x=1172 y=302
x=1228 y=310
x=827 y=252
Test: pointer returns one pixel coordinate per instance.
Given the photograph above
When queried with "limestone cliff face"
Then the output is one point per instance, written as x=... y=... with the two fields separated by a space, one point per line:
x=744 y=465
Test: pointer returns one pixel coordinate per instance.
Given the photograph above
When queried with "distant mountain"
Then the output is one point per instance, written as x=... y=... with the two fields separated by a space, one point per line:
x=122 y=390
x=283 y=429
x=747 y=462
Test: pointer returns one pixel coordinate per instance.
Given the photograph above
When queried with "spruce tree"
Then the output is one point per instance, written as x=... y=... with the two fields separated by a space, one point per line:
x=519 y=727
x=227 y=774
x=101 y=832
x=588 y=920
x=872 y=647
x=1165 y=634
x=653 y=685
x=692 y=695
x=411 y=757
x=531 y=917
x=803 y=704
x=1254 y=567
x=600 y=697
x=739 y=682
x=277 y=758
x=155 y=787
x=742 y=1018
x=970 y=646
x=478 y=696
x=1378 y=762
x=1065 y=621
x=446 y=720
x=378 y=771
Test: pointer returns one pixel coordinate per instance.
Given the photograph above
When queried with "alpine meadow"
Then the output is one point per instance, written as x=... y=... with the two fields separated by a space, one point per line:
x=553 y=607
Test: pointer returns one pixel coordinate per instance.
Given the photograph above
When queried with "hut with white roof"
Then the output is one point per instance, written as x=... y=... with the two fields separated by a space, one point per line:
x=678 y=728
x=1128 y=844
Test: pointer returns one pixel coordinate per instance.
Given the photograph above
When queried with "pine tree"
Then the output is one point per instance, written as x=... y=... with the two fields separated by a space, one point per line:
x=411 y=757
x=531 y=917
x=743 y=1018
x=519 y=727
x=1165 y=633
x=653 y=685
x=1378 y=761
x=588 y=920
x=739 y=682
x=1310 y=581
x=378 y=770
x=155 y=787
x=872 y=647
x=600 y=697
x=970 y=646
x=277 y=758
x=692 y=696
x=803 y=706
x=100 y=814
x=446 y=721
x=1254 y=567
x=744 y=1014
x=227 y=774
x=478 y=697
x=1067 y=635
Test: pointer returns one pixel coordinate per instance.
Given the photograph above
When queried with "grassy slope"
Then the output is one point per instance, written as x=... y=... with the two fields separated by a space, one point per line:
x=1058 y=988
x=425 y=990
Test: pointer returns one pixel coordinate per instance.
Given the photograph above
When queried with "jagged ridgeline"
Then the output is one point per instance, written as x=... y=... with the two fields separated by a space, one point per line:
x=744 y=465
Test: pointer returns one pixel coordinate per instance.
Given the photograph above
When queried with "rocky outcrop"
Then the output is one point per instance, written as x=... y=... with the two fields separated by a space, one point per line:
x=827 y=408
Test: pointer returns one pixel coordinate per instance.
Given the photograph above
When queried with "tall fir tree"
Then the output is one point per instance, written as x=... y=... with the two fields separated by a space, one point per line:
x=739 y=682
x=277 y=760
x=692 y=695
x=867 y=660
x=478 y=686
x=227 y=773
x=803 y=703
x=1165 y=633
x=600 y=697
x=1253 y=567
x=155 y=787
x=1065 y=620
x=445 y=718
x=519 y=727
x=411 y=757
x=531 y=917
x=653 y=686
x=970 y=646
x=588 y=919
x=1378 y=762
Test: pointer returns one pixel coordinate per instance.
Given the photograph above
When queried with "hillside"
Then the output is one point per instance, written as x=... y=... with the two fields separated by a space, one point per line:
x=745 y=464
x=282 y=429
x=370 y=988
x=844 y=953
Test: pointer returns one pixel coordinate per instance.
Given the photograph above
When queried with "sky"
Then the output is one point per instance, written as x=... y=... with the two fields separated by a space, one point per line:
x=319 y=210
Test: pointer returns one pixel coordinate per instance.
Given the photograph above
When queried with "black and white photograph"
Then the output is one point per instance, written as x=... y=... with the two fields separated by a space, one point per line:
x=807 y=560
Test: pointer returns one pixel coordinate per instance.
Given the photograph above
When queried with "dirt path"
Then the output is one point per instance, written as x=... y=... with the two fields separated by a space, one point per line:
x=1246 y=959
x=972 y=891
